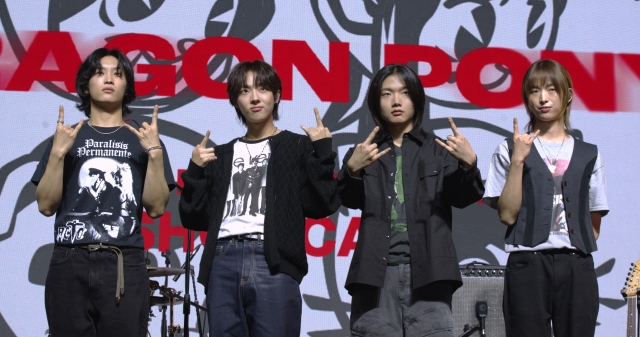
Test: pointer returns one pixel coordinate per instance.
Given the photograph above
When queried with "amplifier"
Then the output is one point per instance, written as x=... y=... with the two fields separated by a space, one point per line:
x=481 y=283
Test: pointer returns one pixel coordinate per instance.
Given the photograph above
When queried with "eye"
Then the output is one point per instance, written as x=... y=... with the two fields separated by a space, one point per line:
x=386 y=94
x=244 y=91
x=118 y=73
x=405 y=93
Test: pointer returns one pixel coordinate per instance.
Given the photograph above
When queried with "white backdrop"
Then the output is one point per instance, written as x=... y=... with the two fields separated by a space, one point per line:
x=602 y=51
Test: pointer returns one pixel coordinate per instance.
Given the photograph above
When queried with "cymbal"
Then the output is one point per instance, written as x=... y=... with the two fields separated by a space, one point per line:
x=164 y=271
x=160 y=301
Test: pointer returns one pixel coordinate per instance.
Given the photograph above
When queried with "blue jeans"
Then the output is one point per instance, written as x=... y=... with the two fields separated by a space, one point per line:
x=245 y=299
x=80 y=293
x=398 y=310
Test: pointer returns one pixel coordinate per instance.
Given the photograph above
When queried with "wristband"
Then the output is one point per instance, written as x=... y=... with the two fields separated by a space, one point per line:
x=153 y=148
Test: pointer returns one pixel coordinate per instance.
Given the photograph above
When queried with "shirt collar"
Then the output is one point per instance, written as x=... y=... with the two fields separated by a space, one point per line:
x=415 y=134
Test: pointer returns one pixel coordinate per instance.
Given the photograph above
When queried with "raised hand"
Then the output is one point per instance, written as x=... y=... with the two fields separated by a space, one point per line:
x=365 y=154
x=147 y=134
x=458 y=146
x=201 y=155
x=65 y=135
x=319 y=132
x=521 y=143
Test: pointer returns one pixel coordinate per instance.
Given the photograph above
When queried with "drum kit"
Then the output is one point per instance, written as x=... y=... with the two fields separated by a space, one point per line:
x=168 y=298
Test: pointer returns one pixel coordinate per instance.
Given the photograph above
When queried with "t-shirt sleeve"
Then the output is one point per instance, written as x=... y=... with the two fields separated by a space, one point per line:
x=497 y=175
x=168 y=171
x=42 y=165
x=597 y=189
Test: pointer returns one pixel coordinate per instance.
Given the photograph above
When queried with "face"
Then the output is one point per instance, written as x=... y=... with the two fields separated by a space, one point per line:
x=396 y=107
x=546 y=103
x=108 y=84
x=256 y=102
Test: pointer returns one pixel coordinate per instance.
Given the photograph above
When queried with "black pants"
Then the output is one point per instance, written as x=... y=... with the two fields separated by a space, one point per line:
x=80 y=293
x=557 y=285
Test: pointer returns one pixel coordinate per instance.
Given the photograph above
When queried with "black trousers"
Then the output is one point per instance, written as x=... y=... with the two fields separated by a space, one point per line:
x=550 y=288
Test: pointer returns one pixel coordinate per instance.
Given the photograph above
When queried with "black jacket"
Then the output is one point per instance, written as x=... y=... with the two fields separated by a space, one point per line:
x=300 y=184
x=433 y=182
x=534 y=220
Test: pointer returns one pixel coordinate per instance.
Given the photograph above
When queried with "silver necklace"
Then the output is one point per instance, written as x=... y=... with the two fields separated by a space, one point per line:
x=264 y=147
x=105 y=133
x=552 y=164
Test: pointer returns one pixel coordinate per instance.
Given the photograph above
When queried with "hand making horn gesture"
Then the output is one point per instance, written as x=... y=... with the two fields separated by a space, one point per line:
x=458 y=146
x=65 y=135
x=319 y=132
x=201 y=155
x=521 y=143
x=148 y=134
x=365 y=154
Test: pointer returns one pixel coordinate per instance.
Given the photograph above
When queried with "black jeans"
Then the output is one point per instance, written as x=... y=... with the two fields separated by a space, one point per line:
x=80 y=293
x=556 y=285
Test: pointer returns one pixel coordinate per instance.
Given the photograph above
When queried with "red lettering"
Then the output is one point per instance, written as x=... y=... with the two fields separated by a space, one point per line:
x=167 y=231
x=632 y=60
x=330 y=85
x=64 y=52
x=327 y=246
x=597 y=92
x=349 y=242
x=471 y=87
x=437 y=59
x=163 y=76
x=196 y=61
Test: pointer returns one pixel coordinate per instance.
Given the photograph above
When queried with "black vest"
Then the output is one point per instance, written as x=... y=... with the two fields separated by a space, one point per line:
x=534 y=220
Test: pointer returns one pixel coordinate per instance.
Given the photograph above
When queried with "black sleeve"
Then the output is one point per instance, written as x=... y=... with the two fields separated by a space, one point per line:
x=462 y=187
x=320 y=195
x=195 y=199
x=42 y=165
x=351 y=188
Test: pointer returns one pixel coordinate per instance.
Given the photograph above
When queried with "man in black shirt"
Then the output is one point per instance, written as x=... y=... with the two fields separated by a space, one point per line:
x=404 y=269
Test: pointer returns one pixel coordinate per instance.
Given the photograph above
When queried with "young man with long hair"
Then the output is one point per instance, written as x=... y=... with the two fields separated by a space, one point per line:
x=254 y=261
x=549 y=189
x=404 y=269
x=96 y=180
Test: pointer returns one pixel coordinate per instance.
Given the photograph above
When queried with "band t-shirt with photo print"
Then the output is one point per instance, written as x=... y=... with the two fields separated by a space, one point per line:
x=103 y=178
x=557 y=156
x=246 y=203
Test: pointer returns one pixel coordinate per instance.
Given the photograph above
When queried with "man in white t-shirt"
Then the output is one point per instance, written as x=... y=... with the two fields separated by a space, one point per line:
x=552 y=197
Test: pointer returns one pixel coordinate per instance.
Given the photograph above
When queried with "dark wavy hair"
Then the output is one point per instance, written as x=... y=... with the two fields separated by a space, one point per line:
x=263 y=75
x=88 y=69
x=414 y=86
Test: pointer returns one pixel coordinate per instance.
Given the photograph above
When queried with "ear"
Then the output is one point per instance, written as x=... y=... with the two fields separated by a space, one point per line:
x=569 y=95
x=277 y=97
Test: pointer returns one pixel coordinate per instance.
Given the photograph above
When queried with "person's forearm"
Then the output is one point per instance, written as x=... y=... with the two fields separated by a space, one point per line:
x=596 y=218
x=510 y=200
x=156 y=192
x=49 y=190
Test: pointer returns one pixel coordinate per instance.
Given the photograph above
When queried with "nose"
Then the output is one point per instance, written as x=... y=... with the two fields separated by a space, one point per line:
x=396 y=102
x=108 y=78
x=254 y=97
x=544 y=96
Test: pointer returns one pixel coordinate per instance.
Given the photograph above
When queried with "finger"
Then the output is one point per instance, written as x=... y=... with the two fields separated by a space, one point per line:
x=154 y=117
x=380 y=154
x=454 y=128
x=61 y=113
x=77 y=129
x=132 y=129
x=304 y=128
x=535 y=135
x=204 y=141
x=445 y=146
x=371 y=136
x=318 y=119
x=145 y=125
x=516 y=129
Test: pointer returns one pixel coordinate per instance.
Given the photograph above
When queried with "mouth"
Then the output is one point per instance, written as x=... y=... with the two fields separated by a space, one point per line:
x=397 y=112
x=255 y=108
x=108 y=90
x=545 y=109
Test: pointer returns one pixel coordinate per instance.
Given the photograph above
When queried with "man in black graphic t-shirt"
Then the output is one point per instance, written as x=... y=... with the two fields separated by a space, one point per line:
x=95 y=179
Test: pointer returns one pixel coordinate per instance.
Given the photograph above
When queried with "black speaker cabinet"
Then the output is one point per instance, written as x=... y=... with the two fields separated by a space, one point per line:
x=481 y=283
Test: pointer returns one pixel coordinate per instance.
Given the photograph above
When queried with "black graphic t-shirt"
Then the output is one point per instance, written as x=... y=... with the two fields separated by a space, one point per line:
x=103 y=179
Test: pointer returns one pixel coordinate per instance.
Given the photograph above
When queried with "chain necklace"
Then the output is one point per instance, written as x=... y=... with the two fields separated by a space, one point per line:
x=264 y=147
x=105 y=133
x=552 y=164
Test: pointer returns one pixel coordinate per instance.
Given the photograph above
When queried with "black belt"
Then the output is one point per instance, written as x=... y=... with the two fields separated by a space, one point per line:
x=120 y=282
x=245 y=237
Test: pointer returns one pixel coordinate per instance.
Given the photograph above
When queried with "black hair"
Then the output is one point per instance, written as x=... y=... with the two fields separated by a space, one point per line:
x=88 y=69
x=263 y=75
x=413 y=84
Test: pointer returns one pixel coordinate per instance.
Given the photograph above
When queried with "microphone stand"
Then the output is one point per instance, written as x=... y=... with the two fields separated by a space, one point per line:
x=186 y=308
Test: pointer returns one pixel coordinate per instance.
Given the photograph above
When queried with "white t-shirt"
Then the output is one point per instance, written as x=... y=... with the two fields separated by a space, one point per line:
x=557 y=157
x=246 y=204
